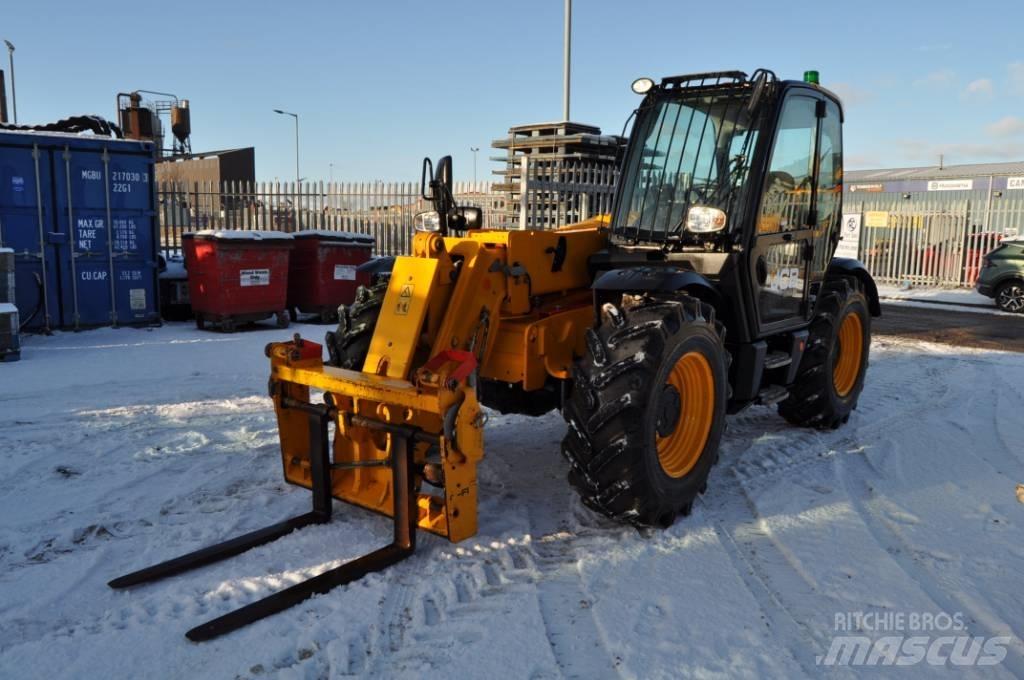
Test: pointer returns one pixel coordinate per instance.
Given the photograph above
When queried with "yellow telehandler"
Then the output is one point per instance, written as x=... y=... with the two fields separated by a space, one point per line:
x=710 y=287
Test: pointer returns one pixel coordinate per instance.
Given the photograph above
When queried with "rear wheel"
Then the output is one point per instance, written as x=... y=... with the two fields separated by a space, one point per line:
x=1010 y=297
x=350 y=343
x=647 y=408
x=831 y=374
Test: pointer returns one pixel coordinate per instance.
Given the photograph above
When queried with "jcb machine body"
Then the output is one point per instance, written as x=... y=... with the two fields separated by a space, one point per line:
x=709 y=288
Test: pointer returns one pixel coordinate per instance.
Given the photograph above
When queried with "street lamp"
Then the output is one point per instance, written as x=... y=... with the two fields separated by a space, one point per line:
x=296 y=117
x=474 y=149
x=14 y=96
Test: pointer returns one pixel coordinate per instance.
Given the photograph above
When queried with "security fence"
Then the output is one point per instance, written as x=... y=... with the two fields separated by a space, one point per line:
x=932 y=243
x=384 y=210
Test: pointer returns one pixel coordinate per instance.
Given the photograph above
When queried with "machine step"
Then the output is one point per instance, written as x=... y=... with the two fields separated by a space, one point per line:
x=777 y=360
x=772 y=394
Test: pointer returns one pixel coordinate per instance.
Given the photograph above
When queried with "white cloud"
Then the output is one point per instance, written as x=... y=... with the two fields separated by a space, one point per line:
x=1008 y=126
x=850 y=94
x=941 y=78
x=980 y=88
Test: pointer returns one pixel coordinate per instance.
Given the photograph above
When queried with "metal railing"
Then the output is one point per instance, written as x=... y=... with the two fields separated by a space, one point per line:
x=384 y=210
x=932 y=242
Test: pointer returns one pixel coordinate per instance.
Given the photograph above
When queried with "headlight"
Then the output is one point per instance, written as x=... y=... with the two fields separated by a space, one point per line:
x=427 y=221
x=704 y=220
x=642 y=85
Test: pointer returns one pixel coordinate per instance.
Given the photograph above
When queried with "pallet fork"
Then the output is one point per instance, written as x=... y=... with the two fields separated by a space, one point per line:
x=402 y=546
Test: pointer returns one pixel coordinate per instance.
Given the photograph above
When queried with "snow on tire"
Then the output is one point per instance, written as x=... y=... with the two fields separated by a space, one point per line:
x=831 y=376
x=646 y=408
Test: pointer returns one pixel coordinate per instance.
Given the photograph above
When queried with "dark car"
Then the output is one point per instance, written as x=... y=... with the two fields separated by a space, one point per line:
x=1002 y=276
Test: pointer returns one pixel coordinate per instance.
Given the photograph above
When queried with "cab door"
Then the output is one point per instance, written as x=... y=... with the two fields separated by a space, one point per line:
x=786 y=226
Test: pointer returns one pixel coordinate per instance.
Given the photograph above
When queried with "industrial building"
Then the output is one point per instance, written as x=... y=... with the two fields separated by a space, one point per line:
x=541 y=159
x=932 y=225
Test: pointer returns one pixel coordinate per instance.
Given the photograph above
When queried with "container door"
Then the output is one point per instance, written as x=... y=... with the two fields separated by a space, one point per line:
x=29 y=231
x=110 y=271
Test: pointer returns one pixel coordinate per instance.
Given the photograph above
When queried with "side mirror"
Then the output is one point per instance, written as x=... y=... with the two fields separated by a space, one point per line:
x=474 y=218
x=760 y=84
x=444 y=173
x=425 y=180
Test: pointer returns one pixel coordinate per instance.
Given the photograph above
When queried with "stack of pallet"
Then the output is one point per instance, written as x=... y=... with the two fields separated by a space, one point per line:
x=10 y=347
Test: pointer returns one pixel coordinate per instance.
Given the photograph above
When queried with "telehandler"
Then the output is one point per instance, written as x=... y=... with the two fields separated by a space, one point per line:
x=710 y=287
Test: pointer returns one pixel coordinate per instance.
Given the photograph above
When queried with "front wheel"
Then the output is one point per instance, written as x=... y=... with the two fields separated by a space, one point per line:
x=1010 y=297
x=831 y=373
x=647 y=408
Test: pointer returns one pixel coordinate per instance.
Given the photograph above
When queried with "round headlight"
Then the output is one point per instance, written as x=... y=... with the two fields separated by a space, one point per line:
x=643 y=85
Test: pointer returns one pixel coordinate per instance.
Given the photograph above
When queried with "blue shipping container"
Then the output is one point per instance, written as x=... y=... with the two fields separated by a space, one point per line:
x=79 y=212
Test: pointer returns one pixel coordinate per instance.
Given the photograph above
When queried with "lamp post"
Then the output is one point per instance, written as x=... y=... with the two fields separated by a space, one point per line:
x=474 y=149
x=14 y=95
x=296 y=117
x=567 y=47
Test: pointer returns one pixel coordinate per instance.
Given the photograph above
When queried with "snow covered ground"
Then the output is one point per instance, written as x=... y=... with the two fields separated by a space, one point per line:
x=119 y=448
x=950 y=299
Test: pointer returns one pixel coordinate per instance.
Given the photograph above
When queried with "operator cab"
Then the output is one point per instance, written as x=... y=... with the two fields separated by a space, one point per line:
x=737 y=179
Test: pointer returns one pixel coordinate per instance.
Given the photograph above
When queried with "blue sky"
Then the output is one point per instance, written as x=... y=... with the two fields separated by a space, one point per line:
x=378 y=85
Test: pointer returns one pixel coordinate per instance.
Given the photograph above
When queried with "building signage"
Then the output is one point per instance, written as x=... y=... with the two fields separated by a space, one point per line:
x=873 y=188
x=1015 y=182
x=849 y=237
x=951 y=185
x=876 y=218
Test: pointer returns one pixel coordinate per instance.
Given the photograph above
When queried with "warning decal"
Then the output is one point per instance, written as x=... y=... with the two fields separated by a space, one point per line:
x=254 y=277
x=404 y=300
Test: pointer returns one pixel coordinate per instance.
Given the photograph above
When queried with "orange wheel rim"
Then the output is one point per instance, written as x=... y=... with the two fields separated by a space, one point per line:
x=694 y=382
x=849 y=351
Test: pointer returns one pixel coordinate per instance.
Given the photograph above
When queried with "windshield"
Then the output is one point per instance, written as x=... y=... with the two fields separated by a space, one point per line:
x=689 y=148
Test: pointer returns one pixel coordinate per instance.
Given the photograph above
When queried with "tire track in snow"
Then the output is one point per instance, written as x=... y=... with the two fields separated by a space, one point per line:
x=909 y=560
x=751 y=547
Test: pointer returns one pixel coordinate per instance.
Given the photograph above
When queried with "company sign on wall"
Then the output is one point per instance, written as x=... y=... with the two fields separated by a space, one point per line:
x=951 y=185
x=1015 y=182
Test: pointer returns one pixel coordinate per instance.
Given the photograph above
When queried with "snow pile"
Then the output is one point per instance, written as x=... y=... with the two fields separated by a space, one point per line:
x=119 y=448
x=366 y=239
x=239 y=235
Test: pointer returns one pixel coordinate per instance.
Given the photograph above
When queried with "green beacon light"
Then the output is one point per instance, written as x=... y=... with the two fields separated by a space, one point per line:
x=811 y=77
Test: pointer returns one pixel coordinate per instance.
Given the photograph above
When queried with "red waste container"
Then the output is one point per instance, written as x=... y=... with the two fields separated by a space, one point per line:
x=322 y=273
x=237 y=276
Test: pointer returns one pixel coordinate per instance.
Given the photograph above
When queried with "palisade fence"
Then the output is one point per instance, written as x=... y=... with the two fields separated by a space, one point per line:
x=933 y=242
x=384 y=210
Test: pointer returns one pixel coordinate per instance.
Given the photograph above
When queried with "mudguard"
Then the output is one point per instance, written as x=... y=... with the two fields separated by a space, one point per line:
x=654 y=279
x=377 y=266
x=847 y=266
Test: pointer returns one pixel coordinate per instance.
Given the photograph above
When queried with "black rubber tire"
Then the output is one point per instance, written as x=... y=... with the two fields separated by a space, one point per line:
x=348 y=346
x=282 y=319
x=200 y=322
x=227 y=326
x=611 y=410
x=813 y=401
x=1004 y=293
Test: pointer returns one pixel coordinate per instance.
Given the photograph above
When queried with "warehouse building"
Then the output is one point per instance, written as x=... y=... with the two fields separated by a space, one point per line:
x=932 y=225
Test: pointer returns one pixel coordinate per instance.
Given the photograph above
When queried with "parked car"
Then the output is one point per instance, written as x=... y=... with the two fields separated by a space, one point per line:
x=1002 y=276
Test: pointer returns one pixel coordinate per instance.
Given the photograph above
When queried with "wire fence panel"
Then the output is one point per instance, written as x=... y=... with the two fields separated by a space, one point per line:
x=933 y=242
x=554 y=196
x=384 y=210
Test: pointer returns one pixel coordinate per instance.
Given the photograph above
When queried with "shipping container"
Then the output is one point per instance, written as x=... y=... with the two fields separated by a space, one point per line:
x=10 y=347
x=6 y=275
x=79 y=213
